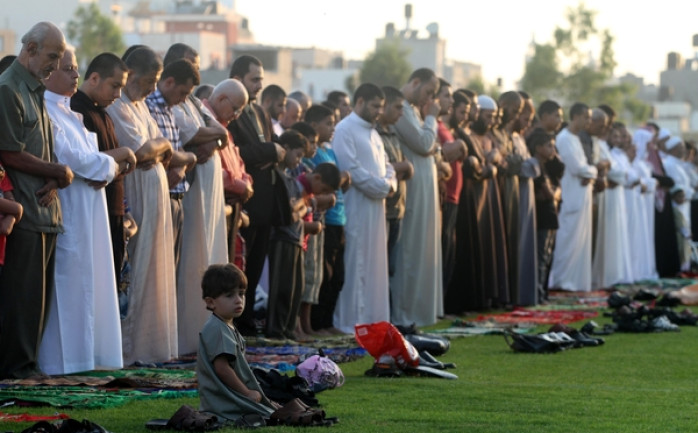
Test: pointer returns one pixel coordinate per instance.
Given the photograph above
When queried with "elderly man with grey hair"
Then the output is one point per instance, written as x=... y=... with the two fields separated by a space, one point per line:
x=26 y=151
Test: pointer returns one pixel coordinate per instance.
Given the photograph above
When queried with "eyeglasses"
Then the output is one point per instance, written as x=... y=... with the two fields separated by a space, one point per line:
x=236 y=112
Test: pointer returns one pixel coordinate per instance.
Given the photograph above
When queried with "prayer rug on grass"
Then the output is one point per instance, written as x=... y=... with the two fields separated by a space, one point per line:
x=539 y=317
x=285 y=358
x=87 y=397
x=26 y=417
x=462 y=328
x=97 y=389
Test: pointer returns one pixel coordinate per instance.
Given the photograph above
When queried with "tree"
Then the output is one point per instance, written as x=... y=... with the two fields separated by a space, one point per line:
x=387 y=66
x=93 y=33
x=578 y=66
x=542 y=72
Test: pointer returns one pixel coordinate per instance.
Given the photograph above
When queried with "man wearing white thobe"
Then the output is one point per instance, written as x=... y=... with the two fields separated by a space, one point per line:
x=611 y=262
x=571 y=268
x=417 y=294
x=359 y=149
x=83 y=329
x=150 y=328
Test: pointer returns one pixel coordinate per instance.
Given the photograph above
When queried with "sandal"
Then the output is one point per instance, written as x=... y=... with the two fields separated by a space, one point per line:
x=187 y=419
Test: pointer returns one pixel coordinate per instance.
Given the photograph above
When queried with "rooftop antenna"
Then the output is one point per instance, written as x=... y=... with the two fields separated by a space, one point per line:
x=408 y=15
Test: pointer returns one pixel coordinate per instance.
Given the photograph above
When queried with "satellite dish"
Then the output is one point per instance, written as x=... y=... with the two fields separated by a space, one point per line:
x=433 y=29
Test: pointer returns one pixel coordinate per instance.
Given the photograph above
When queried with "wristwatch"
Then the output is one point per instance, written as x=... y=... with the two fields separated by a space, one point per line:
x=219 y=142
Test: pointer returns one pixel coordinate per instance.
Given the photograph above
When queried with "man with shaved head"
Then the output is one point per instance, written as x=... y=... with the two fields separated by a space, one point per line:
x=270 y=206
x=27 y=153
x=226 y=102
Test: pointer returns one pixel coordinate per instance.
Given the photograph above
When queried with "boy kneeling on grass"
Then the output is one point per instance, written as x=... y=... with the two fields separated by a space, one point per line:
x=227 y=385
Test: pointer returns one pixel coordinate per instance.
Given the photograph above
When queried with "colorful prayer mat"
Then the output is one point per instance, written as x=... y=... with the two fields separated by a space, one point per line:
x=520 y=315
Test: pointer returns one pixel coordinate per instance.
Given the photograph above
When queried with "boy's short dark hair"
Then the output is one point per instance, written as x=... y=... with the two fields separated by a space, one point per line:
x=222 y=279
x=293 y=140
x=548 y=106
x=329 y=173
x=317 y=112
x=304 y=128
x=538 y=138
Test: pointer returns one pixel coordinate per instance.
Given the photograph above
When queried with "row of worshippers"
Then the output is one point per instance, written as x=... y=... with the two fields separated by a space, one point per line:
x=172 y=170
x=179 y=186
x=133 y=127
x=625 y=212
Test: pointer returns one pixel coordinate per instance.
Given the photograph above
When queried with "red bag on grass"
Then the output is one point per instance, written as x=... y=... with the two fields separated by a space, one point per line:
x=383 y=339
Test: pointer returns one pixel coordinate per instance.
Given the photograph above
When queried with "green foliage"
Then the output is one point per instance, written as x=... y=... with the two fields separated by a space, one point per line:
x=578 y=66
x=93 y=33
x=633 y=383
x=387 y=66
x=542 y=72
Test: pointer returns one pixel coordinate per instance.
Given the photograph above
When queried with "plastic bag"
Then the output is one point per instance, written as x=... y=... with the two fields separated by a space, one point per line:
x=320 y=372
x=383 y=339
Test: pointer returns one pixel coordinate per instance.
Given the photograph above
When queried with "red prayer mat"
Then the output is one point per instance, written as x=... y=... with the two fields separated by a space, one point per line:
x=520 y=315
x=25 y=417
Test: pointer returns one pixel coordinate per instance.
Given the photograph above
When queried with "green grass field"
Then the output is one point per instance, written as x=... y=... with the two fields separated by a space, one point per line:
x=633 y=383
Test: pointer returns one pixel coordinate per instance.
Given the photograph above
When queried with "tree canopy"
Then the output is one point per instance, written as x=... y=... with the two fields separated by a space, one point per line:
x=387 y=66
x=578 y=65
x=93 y=33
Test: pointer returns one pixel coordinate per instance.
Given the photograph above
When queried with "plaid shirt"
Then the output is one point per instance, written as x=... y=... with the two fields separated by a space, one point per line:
x=165 y=118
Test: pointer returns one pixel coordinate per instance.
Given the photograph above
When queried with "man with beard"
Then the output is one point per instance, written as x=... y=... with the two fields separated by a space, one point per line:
x=359 y=149
x=488 y=284
x=510 y=104
x=274 y=103
x=418 y=280
x=269 y=206
x=530 y=169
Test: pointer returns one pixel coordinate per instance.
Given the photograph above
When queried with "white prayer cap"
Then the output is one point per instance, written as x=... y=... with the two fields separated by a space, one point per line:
x=672 y=142
x=663 y=133
x=486 y=103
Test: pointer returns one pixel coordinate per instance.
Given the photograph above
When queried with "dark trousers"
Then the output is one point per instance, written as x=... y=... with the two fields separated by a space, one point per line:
x=116 y=228
x=177 y=221
x=449 y=215
x=286 y=283
x=232 y=227
x=394 y=226
x=332 y=280
x=257 y=240
x=545 y=244
x=25 y=293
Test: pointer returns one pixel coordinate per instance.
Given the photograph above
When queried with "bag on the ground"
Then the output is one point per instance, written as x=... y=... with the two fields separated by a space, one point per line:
x=320 y=372
x=383 y=339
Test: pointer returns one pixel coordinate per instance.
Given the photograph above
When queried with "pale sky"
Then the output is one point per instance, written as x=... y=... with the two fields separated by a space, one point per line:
x=494 y=34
